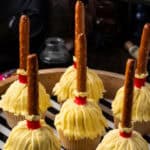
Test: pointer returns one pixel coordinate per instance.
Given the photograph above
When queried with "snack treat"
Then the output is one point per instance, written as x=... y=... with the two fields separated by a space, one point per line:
x=125 y=138
x=64 y=89
x=14 y=100
x=80 y=123
x=32 y=133
x=141 y=103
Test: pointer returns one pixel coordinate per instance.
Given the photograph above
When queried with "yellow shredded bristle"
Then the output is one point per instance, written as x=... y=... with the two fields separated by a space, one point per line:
x=21 y=138
x=80 y=121
x=113 y=141
x=15 y=99
x=65 y=88
x=141 y=103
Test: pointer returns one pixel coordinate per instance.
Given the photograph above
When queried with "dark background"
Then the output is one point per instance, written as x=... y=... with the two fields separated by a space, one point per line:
x=110 y=23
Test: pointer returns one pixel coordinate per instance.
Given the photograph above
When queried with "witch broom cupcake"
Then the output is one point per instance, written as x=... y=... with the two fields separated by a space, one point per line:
x=80 y=123
x=141 y=101
x=64 y=89
x=32 y=133
x=125 y=138
x=14 y=100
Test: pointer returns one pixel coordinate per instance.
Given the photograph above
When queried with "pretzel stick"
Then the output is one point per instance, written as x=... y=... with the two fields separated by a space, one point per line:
x=24 y=40
x=79 y=20
x=32 y=72
x=128 y=94
x=143 y=51
x=81 y=63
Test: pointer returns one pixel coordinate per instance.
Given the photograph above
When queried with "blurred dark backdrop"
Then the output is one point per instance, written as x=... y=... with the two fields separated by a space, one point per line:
x=109 y=23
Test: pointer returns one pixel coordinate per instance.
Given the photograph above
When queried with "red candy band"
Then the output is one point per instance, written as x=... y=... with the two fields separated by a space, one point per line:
x=22 y=78
x=139 y=82
x=33 y=124
x=125 y=135
x=75 y=64
x=80 y=100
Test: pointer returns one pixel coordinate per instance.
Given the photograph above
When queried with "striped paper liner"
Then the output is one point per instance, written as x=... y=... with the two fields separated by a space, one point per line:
x=105 y=104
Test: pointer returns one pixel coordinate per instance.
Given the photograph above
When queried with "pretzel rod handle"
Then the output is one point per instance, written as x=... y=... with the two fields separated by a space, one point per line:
x=128 y=94
x=79 y=20
x=24 y=27
x=32 y=72
x=81 y=63
x=143 y=50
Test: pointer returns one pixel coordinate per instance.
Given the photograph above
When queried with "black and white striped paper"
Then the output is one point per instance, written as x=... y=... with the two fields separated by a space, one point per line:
x=104 y=104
